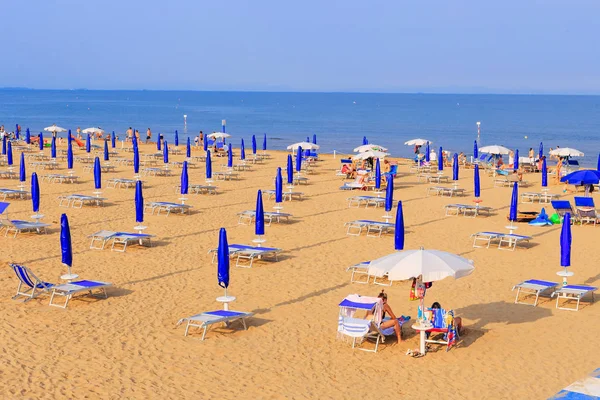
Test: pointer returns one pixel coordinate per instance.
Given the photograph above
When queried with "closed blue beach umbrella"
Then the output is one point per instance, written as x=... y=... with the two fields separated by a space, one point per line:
x=9 y=155
x=399 y=228
x=166 y=153
x=65 y=242
x=208 y=166
x=53 y=148
x=365 y=141
x=377 y=175
x=223 y=260
x=598 y=166
x=516 y=160
x=389 y=194
x=22 y=172
x=427 y=151
x=139 y=203
x=264 y=146
x=27 y=136
x=106 y=158
x=514 y=200
x=69 y=137
x=4 y=138
x=97 y=174
x=184 y=178
x=259 y=218
x=188 y=148
x=290 y=170
x=541 y=153
x=69 y=155
x=455 y=167
x=278 y=186
x=41 y=140
x=299 y=159
x=565 y=241
x=253 y=144
x=440 y=160
x=113 y=140
x=243 y=151
x=176 y=138
x=17 y=131
x=229 y=157
x=307 y=139
x=314 y=138
x=205 y=143
x=88 y=143
x=476 y=184
x=475 y=150
x=158 y=143
x=136 y=160
x=544 y=173
x=35 y=193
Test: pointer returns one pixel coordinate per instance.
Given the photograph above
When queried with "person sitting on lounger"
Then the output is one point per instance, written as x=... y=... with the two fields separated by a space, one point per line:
x=349 y=171
x=457 y=320
x=387 y=323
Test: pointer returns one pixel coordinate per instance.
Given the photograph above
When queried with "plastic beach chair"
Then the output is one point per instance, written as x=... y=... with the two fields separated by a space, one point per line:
x=533 y=287
x=207 y=319
x=32 y=285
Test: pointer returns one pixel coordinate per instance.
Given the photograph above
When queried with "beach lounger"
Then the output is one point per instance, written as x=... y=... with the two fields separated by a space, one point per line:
x=203 y=189
x=466 y=210
x=510 y=241
x=243 y=252
x=8 y=175
x=247 y=217
x=167 y=207
x=533 y=287
x=68 y=290
x=225 y=175
x=360 y=269
x=486 y=237
x=30 y=286
x=120 y=240
x=59 y=178
x=366 y=200
x=13 y=194
x=114 y=183
x=587 y=388
x=573 y=292
x=155 y=171
x=289 y=196
x=437 y=178
x=561 y=207
x=586 y=210
x=207 y=319
x=374 y=228
x=18 y=226
x=79 y=200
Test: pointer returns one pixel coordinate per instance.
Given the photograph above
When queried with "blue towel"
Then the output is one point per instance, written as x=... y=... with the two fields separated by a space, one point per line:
x=362 y=306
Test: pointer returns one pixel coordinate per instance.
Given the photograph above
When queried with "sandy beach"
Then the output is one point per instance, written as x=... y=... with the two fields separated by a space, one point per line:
x=128 y=346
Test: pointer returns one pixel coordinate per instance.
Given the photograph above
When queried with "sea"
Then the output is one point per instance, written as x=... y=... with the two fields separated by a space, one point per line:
x=339 y=120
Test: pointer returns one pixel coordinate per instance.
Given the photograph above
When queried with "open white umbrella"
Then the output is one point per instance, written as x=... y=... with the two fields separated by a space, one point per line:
x=92 y=130
x=432 y=265
x=367 y=147
x=304 y=145
x=369 y=154
x=566 y=152
x=494 y=149
x=54 y=128
x=418 y=142
x=218 y=135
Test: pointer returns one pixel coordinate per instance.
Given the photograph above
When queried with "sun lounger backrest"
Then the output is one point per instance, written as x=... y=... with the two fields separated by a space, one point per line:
x=581 y=202
x=561 y=205
x=3 y=206
x=23 y=275
x=394 y=169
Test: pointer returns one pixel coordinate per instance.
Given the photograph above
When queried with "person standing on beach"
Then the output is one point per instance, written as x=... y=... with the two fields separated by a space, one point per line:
x=128 y=134
x=148 y=135
x=78 y=133
x=531 y=156
x=137 y=135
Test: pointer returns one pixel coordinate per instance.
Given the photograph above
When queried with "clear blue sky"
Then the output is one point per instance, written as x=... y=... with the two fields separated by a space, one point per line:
x=518 y=46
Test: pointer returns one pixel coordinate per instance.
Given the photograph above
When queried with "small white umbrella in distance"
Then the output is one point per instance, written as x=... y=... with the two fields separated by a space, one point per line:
x=54 y=128
x=494 y=149
x=92 y=130
x=218 y=135
x=566 y=152
x=304 y=145
x=418 y=142
x=432 y=265
x=369 y=154
x=367 y=147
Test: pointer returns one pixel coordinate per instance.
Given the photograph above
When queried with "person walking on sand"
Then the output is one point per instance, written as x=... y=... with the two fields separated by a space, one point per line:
x=128 y=135
x=148 y=135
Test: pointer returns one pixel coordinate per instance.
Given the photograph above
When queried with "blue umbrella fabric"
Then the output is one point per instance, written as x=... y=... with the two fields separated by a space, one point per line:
x=290 y=170
x=205 y=143
x=106 y=158
x=598 y=166
x=27 y=136
x=427 y=151
x=455 y=167
x=53 y=147
x=136 y=160
x=22 y=172
x=259 y=218
x=476 y=183
x=377 y=175
x=41 y=140
x=299 y=159
x=516 y=160
x=253 y=144
x=158 y=143
x=223 y=260
x=17 y=131
x=113 y=140
x=35 y=193
x=582 y=177
x=69 y=155
x=565 y=241
x=166 y=153
x=9 y=155
x=88 y=143
x=176 y=138
x=188 y=148
x=475 y=150
x=139 y=203
x=440 y=160
x=97 y=174
x=278 y=186
x=314 y=138
x=399 y=229
x=243 y=151
x=544 y=173
x=264 y=146
x=307 y=139
x=514 y=200
x=184 y=178
x=208 y=166
x=4 y=138
x=229 y=157
x=365 y=141
x=65 y=242
x=389 y=194
x=541 y=152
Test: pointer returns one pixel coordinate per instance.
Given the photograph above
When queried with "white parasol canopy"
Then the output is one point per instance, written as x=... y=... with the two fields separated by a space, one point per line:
x=54 y=128
x=418 y=142
x=566 y=152
x=494 y=149
x=367 y=147
x=432 y=265
x=93 y=130
x=218 y=135
x=369 y=154
x=304 y=145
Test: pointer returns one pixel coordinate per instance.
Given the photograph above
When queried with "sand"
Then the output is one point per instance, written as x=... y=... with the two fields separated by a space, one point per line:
x=128 y=346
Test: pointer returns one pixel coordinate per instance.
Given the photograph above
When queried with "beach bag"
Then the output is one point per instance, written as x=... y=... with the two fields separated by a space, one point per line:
x=413 y=291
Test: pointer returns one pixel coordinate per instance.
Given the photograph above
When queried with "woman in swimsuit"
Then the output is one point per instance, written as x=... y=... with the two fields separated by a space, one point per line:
x=393 y=321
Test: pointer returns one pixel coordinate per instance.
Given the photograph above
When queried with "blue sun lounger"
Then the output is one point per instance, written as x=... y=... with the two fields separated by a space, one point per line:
x=100 y=238
x=207 y=319
x=374 y=228
x=68 y=290
x=586 y=210
x=244 y=252
x=587 y=388
x=573 y=292
x=562 y=207
x=32 y=285
x=533 y=287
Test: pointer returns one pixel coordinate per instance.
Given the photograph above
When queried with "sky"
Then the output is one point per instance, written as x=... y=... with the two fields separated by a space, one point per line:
x=438 y=46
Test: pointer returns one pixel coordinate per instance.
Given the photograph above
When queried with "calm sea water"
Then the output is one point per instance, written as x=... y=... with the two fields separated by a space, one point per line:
x=340 y=120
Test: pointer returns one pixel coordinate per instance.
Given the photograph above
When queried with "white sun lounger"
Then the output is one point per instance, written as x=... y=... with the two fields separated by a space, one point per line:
x=244 y=252
x=284 y=195
x=466 y=210
x=167 y=207
x=79 y=200
x=533 y=287
x=247 y=217
x=120 y=240
x=203 y=189
x=32 y=285
x=573 y=292
x=13 y=194
x=374 y=228
x=126 y=183
x=360 y=269
x=510 y=241
x=18 y=226
x=207 y=319
x=60 y=178
x=366 y=200
x=68 y=290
